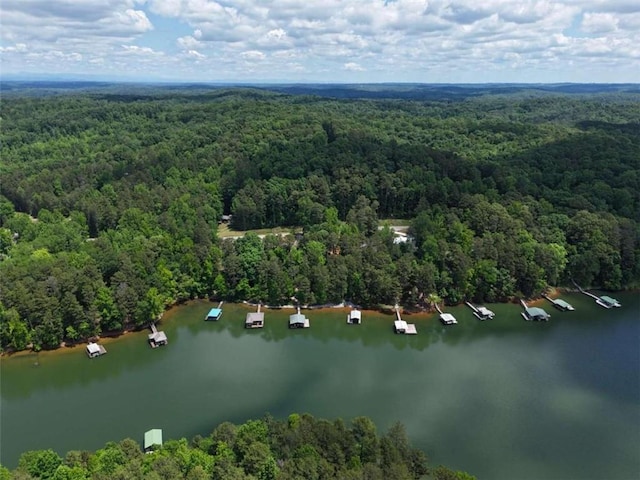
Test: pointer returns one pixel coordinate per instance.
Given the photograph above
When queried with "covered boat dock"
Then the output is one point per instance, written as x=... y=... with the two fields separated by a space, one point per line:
x=298 y=320
x=152 y=439
x=95 y=350
x=254 y=319
x=215 y=313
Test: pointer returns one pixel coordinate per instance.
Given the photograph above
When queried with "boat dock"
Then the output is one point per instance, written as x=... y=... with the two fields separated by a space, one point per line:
x=608 y=302
x=402 y=327
x=215 y=313
x=446 y=318
x=156 y=338
x=95 y=350
x=534 y=313
x=604 y=301
x=254 y=319
x=354 y=317
x=298 y=320
x=559 y=303
x=481 y=313
x=152 y=440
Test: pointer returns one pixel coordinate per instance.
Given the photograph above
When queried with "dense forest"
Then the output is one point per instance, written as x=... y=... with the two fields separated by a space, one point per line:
x=111 y=198
x=300 y=448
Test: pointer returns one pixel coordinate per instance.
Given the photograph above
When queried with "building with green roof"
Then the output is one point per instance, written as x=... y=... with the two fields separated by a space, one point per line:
x=152 y=438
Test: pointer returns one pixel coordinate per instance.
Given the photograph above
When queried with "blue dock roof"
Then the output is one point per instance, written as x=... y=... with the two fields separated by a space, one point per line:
x=214 y=312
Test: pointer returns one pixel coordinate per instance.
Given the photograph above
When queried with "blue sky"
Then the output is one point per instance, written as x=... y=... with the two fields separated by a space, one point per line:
x=430 y=41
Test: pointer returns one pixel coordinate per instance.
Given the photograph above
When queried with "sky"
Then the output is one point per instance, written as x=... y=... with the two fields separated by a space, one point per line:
x=324 y=41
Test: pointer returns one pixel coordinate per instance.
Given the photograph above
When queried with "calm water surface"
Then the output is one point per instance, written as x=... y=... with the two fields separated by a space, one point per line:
x=502 y=399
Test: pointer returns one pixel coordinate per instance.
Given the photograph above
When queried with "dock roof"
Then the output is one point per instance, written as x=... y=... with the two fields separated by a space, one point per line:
x=152 y=437
x=93 y=348
x=448 y=318
x=254 y=317
x=159 y=337
x=297 y=318
x=214 y=312
x=562 y=303
x=536 y=312
x=400 y=325
x=608 y=299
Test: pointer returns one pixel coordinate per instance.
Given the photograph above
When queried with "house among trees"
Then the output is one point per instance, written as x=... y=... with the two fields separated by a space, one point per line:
x=298 y=320
x=535 y=314
x=95 y=350
x=152 y=439
x=225 y=218
x=254 y=319
x=354 y=317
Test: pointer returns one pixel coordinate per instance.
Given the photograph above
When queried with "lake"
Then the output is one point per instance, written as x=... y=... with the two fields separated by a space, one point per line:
x=501 y=399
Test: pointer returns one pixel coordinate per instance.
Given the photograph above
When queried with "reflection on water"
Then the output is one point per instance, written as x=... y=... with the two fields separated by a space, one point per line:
x=502 y=398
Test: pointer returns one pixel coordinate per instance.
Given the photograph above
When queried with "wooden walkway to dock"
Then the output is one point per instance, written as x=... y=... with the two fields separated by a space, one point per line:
x=582 y=290
x=604 y=301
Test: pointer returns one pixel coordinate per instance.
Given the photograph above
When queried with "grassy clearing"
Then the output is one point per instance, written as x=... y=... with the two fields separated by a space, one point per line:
x=225 y=232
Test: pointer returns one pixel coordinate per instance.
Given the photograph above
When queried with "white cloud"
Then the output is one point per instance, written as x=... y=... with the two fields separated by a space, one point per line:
x=599 y=22
x=276 y=34
x=353 y=67
x=195 y=54
x=188 y=42
x=136 y=50
x=253 y=55
x=18 y=47
x=329 y=40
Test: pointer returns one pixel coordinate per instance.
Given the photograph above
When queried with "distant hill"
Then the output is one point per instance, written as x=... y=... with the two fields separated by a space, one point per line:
x=405 y=91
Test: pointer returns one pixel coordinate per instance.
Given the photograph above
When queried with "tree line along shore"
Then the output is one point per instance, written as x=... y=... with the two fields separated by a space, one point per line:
x=110 y=203
x=300 y=447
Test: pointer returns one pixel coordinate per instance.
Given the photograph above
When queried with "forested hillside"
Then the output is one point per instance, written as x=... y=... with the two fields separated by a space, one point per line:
x=301 y=447
x=110 y=201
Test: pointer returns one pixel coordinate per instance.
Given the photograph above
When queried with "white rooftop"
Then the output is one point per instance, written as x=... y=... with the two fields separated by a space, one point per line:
x=160 y=337
x=448 y=318
x=297 y=318
x=93 y=348
x=400 y=325
x=255 y=317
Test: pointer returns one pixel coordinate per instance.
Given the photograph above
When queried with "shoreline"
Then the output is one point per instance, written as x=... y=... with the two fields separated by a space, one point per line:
x=110 y=337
